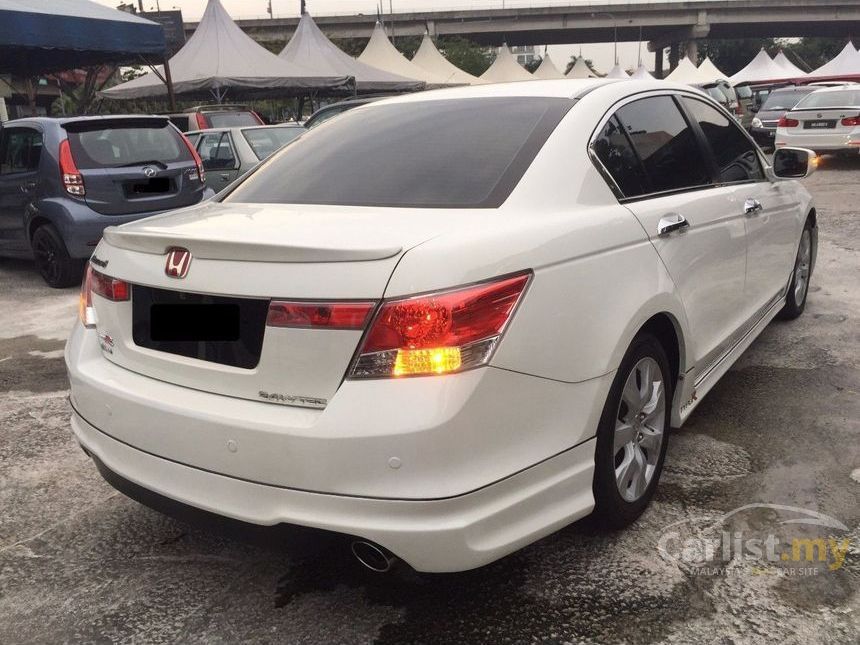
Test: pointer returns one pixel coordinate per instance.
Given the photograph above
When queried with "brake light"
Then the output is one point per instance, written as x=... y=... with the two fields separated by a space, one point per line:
x=330 y=315
x=201 y=174
x=73 y=181
x=110 y=288
x=438 y=333
x=785 y=122
x=851 y=121
x=201 y=121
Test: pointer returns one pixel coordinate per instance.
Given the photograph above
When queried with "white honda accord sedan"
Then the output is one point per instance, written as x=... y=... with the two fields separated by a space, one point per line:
x=445 y=324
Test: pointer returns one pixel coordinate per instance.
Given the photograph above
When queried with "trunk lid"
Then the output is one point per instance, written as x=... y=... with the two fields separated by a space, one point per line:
x=242 y=257
x=133 y=165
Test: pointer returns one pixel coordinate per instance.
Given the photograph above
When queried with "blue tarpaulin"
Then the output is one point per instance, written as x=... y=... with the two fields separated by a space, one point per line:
x=39 y=36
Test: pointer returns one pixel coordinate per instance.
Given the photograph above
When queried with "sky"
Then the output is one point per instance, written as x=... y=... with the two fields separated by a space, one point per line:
x=601 y=54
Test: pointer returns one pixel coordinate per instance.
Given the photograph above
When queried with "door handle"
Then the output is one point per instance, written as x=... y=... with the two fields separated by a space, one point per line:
x=224 y=177
x=752 y=206
x=28 y=186
x=671 y=222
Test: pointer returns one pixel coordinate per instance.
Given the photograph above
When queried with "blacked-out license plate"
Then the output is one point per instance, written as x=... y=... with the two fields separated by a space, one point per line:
x=194 y=322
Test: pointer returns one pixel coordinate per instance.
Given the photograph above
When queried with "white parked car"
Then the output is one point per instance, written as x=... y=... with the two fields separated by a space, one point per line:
x=827 y=120
x=447 y=324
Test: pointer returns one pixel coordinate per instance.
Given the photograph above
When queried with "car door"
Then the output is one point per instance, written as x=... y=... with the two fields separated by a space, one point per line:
x=770 y=209
x=20 y=153
x=219 y=159
x=662 y=176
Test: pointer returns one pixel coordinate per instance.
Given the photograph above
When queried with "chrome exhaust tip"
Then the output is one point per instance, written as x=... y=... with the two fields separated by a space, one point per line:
x=373 y=556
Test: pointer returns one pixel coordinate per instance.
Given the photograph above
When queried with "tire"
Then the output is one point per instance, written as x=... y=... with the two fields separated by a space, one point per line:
x=798 y=288
x=622 y=493
x=53 y=262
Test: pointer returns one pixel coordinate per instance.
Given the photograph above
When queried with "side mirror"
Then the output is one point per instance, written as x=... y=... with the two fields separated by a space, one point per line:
x=794 y=163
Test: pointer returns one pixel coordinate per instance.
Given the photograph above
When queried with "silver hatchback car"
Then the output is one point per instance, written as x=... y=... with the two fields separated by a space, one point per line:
x=827 y=120
x=229 y=153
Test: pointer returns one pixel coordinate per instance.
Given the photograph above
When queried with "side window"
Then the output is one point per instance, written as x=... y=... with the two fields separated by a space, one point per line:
x=216 y=151
x=616 y=154
x=20 y=150
x=735 y=154
x=665 y=143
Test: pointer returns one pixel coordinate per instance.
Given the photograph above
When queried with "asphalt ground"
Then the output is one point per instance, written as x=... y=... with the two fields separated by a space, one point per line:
x=777 y=439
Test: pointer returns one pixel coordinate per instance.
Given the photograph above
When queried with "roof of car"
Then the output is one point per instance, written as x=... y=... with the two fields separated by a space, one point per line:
x=79 y=119
x=835 y=88
x=238 y=128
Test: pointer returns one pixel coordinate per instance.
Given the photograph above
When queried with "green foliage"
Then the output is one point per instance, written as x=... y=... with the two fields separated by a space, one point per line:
x=811 y=53
x=468 y=56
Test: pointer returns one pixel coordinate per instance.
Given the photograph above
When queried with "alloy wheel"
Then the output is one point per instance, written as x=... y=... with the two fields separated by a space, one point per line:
x=47 y=258
x=639 y=426
x=801 y=268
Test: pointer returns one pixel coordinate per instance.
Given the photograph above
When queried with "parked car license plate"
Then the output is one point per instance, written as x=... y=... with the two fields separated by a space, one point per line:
x=810 y=125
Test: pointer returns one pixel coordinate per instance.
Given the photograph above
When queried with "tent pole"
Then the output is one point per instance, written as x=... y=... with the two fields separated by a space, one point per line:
x=168 y=79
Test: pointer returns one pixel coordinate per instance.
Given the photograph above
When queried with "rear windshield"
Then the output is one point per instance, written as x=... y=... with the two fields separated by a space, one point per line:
x=231 y=119
x=840 y=98
x=743 y=92
x=101 y=145
x=265 y=141
x=783 y=100
x=455 y=153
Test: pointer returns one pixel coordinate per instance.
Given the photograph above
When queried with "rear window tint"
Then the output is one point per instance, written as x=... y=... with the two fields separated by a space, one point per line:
x=265 y=141
x=454 y=153
x=96 y=145
x=230 y=119
x=783 y=99
x=841 y=98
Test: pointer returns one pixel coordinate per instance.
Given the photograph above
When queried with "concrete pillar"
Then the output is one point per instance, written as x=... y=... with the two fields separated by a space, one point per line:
x=674 y=54
x=658 y=63
x=693 y=51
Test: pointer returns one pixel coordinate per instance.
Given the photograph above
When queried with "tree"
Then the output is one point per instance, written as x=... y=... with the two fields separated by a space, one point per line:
x=533 y=64
x=811 y=53
x=732 y=55
x=468 y=56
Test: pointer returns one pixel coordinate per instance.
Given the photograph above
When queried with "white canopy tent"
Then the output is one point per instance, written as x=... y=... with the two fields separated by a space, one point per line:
x=505 y=69
x=581 y=69
x=617 y=72
x=709 y=72
x=220 y=58
x=547 y=69
x=310 y=49
x=845 y=63
x=685 y=72
x=790 y=68
x=429 y=58
x=761 y=68
x=641 y=74
x=382 y=54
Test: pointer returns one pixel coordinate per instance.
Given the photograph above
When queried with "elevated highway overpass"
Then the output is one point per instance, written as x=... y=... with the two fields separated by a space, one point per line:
x=662 y=23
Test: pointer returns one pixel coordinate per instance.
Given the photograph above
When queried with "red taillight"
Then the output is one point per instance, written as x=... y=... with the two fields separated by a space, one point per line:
x=331 y=315
x=103 y=285
x=201 y=174
x=71 y=176
x=785 y=122
x=851 y=121
x=201 y=121
x=438 y=333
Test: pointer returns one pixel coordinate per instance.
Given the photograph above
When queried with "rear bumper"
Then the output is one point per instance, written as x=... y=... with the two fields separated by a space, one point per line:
x=818 y=141
x=451 y=534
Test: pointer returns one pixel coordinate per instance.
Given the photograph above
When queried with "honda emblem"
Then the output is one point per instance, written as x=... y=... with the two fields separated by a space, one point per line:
x=178 y=261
